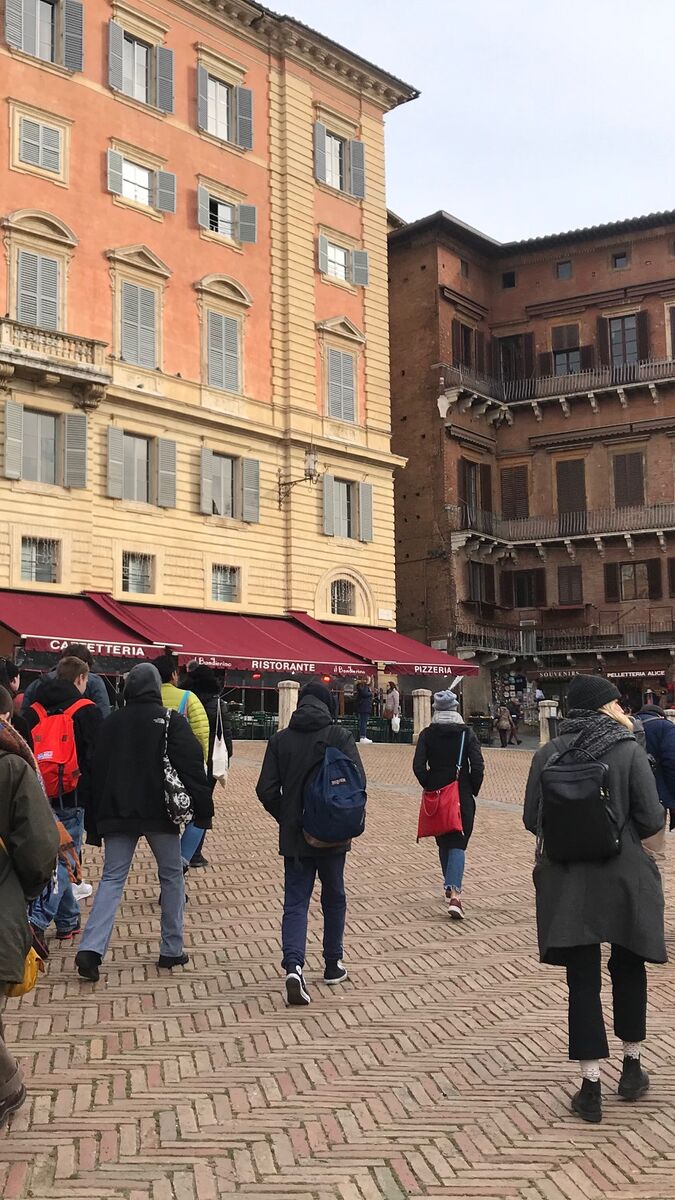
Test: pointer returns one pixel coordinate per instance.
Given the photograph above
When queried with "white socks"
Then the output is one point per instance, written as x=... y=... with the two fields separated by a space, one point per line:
x=590 y=1069
x=632 y=1049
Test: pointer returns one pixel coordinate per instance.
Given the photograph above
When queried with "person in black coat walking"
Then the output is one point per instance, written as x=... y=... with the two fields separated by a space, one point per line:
x=202 y=680
x=443 y=747
x=289 y=760
x=129 y=803
x=364 y=708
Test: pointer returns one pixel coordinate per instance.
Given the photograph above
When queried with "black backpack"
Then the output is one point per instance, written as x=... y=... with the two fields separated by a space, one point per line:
x=576 y=820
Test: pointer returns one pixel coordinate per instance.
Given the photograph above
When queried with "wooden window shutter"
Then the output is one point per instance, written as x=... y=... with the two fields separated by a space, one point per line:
x=472 y=580
x=223 y=352
x=115 y=172
x=489 y=583
x=14 y=23
x=506 y=589
x=320 y=152
x=202 y=97
x=515 y=492
x=671 y=576
x=30 y=142
x=486 y=488
x=164 y=79
x=365 y=512
x=654 y=578
x=480 y=352
x=48 y=293
x=587 y=355
x=571 y=485
x=115 y=462
x=569 y=585
x=250 y=481
x=130 y=331
x=206 y=481
x=612 y=591
x=359 y=267
x=73 y=35
x=115 y=56
x=147 y=336
x=528 y=355
x=462 y=488
x=322 y=253
x=50 y=151
x=13 y=440
x=643 y=335
x=27 y=302
x=75 y=450
x=247 y=223
x=672 y=333
x=628 y=480
x=203 y=199
x=357 y=169
x=165 y=191
x=166 y=473
x=540 y=587
x=456 y=342
x=329 y=505
x=243 y=107
x=603 y=341
x=546 y=363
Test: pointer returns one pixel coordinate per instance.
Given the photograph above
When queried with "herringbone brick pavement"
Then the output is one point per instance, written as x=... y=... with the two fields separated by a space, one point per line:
x=438 y=1070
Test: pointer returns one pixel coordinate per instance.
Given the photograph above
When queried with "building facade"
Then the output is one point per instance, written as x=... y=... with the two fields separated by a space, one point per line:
x=533 y=393
x=194 y=358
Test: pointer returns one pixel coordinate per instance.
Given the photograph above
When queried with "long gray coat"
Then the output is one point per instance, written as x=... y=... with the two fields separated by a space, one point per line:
x=620 y=900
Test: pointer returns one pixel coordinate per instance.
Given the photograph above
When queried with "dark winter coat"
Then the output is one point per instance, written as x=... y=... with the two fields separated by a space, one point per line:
x=129 y=770
x=289 y=759
x=620 y=900
x=364 y=699
x=28 y=829
x=55 y=695
x=660 y=739
x=95 y=690
x=210 y=703
x=435 y=766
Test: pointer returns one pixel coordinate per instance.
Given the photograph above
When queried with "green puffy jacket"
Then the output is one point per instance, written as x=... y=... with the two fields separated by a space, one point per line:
x=195 y=712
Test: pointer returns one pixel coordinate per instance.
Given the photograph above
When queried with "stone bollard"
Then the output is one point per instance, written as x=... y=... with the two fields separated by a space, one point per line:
x=670 y=714
x=288 y=701
x=421 y=711
x=547 y=708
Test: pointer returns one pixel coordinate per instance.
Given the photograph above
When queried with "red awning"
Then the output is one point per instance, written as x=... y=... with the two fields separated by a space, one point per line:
x=45 y=622
x=265 y=644
x=402 y=655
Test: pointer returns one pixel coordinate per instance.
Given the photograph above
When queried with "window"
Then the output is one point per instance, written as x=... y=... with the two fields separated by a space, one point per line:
x=570 y=586
x=48 y=30
x=633 y=581
x=136 y=69
x=38 y=290
x=39 y=560
x=566 y=362
x=468 y=346
x=474 y=487
x=523 y=589
x=620 y=260
x=136 y=182
x=139 y=69
x=224 y=583
x=629 y=483
x=347 y=508
x=339 y=161
x=40 y=145
x=341 y=385
x=136 y=469
x=563 y=269
x=137 y=572
x=338 y=262
x=219 y=109
x=508 y=279
x=481 y=583
x=223 y=352
x=515 y=493
x=223 y=486
x=141 y=183
x=139 y=336
x=219 y=215
x=230 y=487
x=335 y=161
x=623 y=340
x=516 y=356
x=342 y=598
x=464 y=268
x=39 y=446
x=224 y=110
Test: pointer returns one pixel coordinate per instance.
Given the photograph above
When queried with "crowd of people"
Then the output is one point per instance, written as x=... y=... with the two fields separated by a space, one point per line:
x=598 y=801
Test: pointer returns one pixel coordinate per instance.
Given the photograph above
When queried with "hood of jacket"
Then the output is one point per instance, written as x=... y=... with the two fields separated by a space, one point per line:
x=143 y=684
x=651 y=712
x=310 y=715
x=56 y=694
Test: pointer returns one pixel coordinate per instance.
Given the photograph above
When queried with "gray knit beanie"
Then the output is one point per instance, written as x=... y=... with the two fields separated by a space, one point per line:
x=445 y=702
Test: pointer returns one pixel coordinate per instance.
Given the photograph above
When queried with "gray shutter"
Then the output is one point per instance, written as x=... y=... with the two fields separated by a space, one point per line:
x=320 y=152
x=130 y=323
x=50 y=156
x=73 y=35
x=115 y=462
x=115 y=56
x=147 y=345
x=243 y=107
x=203 y=208
x=166 y=473
x=357 y=169
x=231 y=354
x=29 y=142
x=13 y=440
x=365 y=512
x=115 y=171
x=165 y=191
x=247 y=222
x=359 y=267
x=48 y=295
x=329 y=505
x=206 y=485
x=335 y=383
x=348 y=387
x=250 y=486
x=202 y=97
x=29 y=27
x=27 y=300
x=164 y=78
x=323 y=254
x=215 y=342
x=14 y=23
x=75 y=450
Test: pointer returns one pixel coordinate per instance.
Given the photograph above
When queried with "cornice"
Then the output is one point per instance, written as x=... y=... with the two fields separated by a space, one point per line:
x=624 y=295
x=479 y=311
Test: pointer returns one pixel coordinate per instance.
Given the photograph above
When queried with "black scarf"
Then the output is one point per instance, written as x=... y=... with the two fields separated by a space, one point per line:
x=597 y=732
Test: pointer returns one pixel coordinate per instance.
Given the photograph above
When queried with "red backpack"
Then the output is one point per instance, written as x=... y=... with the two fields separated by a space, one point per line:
x=55 y=749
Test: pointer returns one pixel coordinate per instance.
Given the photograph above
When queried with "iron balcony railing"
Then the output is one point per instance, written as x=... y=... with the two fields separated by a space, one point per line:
x=535 y=641
x=595 y=522
x=652 y=370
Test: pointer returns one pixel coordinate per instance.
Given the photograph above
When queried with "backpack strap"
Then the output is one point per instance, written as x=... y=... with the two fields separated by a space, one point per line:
x=40 y=710
x=460 y=755
x=78 y=704
x=184 y=700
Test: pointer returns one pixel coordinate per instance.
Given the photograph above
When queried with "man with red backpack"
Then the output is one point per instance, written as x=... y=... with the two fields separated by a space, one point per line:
x=65 y=728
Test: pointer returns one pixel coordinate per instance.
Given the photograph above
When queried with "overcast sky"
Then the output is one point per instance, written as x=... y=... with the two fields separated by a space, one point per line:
x=535 y=116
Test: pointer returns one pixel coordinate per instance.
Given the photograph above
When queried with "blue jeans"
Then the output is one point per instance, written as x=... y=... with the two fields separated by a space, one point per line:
x=119 y=853
x=300 y=874
x=61 y=906
x=452 y=862
x=191 y=841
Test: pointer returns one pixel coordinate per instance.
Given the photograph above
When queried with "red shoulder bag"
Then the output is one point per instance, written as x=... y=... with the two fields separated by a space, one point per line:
x=440 y=811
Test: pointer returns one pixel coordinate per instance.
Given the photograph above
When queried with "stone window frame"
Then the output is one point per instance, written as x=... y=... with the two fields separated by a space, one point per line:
x=214 y=558
x=129 y=545
x=59 y=534
x=19 y=109
x=339 y=333
x=38 y=233
x=228 y=195
x=364 y=611
x=137 y=264
x=226 y=296
x=345 y=242
x=141 y=158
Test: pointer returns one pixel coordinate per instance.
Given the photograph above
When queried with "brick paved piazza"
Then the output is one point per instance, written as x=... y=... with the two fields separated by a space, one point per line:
x=440 y=1070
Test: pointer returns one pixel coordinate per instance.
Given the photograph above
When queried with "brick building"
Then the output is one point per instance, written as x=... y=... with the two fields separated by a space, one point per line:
x=533 y=393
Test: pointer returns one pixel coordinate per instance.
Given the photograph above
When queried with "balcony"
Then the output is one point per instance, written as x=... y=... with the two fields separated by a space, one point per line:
x=649 y=373
x=53 y=357
x=536 y=642
x=562 y=527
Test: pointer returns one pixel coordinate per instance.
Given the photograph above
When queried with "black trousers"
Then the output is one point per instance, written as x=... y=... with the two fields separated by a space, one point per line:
x=587 y=1035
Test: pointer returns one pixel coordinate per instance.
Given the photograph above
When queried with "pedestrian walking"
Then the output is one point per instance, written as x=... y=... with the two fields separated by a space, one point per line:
x=586 y=896
x=504 y=726
x=188 y=705
x=516 y=710
x=202 y=681
x=660 y=745
x=129 y=803
x=29 y=844
x=392 y=710
x=364 y=708
x=96 y=689
x=292 y=755
x=448 y=750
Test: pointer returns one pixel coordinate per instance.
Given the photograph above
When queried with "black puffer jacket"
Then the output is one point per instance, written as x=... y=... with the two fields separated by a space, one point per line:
x=128 y=765
x=290 y=757
x=435 y=765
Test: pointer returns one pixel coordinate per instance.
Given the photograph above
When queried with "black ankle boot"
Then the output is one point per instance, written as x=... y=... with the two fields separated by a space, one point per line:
x=587 y=1103
x=634 y=1081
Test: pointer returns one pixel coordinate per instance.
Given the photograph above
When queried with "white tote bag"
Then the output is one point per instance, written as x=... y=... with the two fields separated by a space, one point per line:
x=221 y=760
x=396 y=723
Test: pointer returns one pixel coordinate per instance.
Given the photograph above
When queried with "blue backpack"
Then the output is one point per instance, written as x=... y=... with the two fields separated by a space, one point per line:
x=334 y=802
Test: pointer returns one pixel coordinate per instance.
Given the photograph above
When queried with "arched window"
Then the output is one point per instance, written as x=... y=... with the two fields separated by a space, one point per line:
x=342 y=598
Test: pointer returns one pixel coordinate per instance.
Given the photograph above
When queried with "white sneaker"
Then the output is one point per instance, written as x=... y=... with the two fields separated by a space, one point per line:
x=296 y=991
x=82 y=891
x=365 y=741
